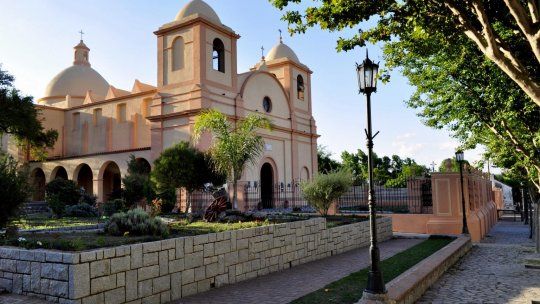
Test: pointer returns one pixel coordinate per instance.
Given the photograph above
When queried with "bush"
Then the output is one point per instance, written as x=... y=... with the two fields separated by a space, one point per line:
x=64 y=190
x=136 y=222
x=57 y=206
x=114 y=206
x=81 y=210
x=323 y=189
x=88 y=199
x=13 y=188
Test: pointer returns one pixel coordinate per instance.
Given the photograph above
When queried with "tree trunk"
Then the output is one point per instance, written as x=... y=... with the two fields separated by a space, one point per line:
x=235 y=198
x=188 y=201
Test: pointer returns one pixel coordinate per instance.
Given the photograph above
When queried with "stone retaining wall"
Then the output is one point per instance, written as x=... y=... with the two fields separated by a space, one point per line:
x=162 y=271
x=408 y=287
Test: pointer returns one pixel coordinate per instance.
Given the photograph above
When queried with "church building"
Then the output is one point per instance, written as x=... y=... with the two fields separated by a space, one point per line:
x=100 y=125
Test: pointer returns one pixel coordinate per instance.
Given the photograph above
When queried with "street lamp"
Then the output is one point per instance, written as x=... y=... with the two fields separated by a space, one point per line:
x=460 y=157
x=367 y=83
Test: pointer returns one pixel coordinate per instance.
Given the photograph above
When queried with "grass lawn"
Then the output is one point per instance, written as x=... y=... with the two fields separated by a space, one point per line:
x=349 y=289
x=42 y=222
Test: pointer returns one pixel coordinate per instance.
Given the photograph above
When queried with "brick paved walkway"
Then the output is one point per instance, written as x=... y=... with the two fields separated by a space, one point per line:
x=493 y=272
x=290 y=284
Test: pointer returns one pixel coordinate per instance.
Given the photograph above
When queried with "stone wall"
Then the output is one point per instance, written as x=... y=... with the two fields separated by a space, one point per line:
x=162 y=271
x=408 y=287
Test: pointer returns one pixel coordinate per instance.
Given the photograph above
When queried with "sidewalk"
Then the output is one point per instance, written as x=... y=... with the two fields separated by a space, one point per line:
x=290 y=284
x=493 y=272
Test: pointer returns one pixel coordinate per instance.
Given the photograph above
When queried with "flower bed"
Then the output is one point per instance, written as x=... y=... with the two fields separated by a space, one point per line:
x=169 y=269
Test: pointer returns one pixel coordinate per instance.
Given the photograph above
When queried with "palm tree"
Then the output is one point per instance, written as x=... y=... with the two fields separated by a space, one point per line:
x=234 y=145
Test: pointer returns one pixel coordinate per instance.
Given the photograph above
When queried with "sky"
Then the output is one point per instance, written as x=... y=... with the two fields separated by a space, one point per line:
x=37 y=39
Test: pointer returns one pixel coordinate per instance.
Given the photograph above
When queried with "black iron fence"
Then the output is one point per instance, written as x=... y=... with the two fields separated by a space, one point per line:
x=415 y=198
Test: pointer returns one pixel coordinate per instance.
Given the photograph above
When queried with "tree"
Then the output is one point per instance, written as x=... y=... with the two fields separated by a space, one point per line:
x=234 y=145
x=14 y=188
x=20 y=119
x=183 y=166
x=324 y=189
x=458 y=89
x=325 y=161
x=388 y=171
x=137 y=183
x=505 y=31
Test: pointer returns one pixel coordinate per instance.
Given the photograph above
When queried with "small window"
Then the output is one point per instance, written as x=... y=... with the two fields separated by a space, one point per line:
x=121 y=112
x=267 y=104
x=300 y=87
x=146 y=108
x=76 y=121
x=98 y=113
x=218 y=56
x=178 y=54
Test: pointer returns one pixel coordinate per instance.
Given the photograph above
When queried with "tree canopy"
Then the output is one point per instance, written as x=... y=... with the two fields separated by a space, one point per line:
x=505 y=31
x=388 y=171
x=325 y=161
x=20 y=118
x=183 y=166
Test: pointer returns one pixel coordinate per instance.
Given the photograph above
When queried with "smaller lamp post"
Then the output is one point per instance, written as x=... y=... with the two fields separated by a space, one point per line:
x=460 y=157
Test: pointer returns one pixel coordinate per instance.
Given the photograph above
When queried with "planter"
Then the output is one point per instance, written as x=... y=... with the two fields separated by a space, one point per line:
x=167 y=270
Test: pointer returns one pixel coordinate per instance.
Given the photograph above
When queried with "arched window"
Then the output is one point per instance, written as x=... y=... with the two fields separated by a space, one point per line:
x=300 y=87
x=178 y=54
x=218 y=56
x=267 y=104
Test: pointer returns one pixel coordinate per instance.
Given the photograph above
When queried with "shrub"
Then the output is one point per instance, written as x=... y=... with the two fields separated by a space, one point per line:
x=81 y=210
x=114 y=206
x=57 y=206
x=323 y=189
x=64 y=190
x=88 y=199
x=135 y=222
x=13 y=188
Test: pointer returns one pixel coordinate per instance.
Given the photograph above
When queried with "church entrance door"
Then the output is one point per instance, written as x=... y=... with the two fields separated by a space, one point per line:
x=267 y=185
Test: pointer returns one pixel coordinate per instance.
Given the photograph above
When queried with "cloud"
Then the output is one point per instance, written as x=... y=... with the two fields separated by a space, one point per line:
x=406 y=144
x=448 y=145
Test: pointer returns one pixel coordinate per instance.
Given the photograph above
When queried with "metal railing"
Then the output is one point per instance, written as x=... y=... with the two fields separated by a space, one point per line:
x=415 y=198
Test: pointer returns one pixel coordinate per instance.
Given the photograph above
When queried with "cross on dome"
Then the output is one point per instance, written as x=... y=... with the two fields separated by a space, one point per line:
x=82 y=33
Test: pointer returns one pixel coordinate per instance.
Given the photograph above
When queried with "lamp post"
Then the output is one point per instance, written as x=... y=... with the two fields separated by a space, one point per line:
x=367 y=83
x=460 y=157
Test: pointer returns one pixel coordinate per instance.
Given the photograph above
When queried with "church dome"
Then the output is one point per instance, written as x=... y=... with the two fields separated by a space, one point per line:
x=77 y=79
x=198 y=7
x=281 y=50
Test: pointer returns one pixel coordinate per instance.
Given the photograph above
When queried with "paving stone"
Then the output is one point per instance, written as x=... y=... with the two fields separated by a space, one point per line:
x=493 y=272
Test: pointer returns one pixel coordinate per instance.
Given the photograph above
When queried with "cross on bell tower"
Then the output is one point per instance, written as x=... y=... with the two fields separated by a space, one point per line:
x=82 y=33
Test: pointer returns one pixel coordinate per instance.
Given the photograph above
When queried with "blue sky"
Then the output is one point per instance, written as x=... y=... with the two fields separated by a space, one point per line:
x=37 y=39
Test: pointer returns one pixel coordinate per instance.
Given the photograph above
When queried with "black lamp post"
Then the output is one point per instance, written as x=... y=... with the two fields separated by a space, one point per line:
x=460 y=157
x=367 y=83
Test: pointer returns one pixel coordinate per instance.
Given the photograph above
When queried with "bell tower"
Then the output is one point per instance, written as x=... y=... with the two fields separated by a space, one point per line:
x=196 y=49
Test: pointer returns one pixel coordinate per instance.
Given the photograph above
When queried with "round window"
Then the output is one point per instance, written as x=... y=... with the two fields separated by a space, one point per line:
x=267 y=104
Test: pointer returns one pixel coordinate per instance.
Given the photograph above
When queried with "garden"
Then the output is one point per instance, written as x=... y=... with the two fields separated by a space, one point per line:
x=146 y=209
